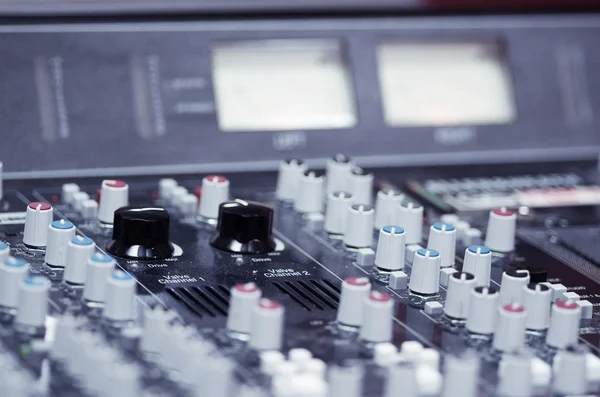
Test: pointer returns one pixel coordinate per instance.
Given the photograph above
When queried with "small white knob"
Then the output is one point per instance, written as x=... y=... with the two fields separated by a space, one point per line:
x=501 y=230
x=215 y=191
x=354 y=292
x=99 y=268
x=165 y=186
x=4 y=251
x=79 y=251
x=113 y=195
x=391 y=248
x=564 y=324
x=120 y=296
x=461 y=376
x=244 y=297
x=537 y=300
x=377 y=318
x=12 y=272
x=478 y=262
x=68 y=190
x=309 y=198
x=442 y=238
x=33 y=301
x=483 y=306
x=89 y=210
x=509 y=335
x=336 y=214
x=338 y=170
x=410 y=217
x=188 y=205
x=37 y=220
x=78 y=199
x=425 y=275
x=266 y=328
x=360 y=185
x=402 y=380
x=346 y=381
x=386 y=207
x=288 y=179
x=512 y=286
x=359 y=226
x=458 y=295
x=59 y=234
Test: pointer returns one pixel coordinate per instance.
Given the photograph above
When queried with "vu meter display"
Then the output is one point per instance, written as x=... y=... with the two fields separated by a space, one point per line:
x=444 y=84
x=278 y=85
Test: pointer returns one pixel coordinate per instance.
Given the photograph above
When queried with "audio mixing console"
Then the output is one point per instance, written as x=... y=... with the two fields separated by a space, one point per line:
x=342 y=283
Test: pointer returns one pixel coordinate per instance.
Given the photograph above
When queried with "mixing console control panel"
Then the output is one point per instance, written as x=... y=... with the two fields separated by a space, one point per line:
x=335 y=283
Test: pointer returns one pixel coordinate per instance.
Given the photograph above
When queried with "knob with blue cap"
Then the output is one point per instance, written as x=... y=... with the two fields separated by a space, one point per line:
x=33 y=302
x=12 y=272
x=79 y=250
x=478 y=262
x=425 y=275
x=442 y=238
x=59 y=234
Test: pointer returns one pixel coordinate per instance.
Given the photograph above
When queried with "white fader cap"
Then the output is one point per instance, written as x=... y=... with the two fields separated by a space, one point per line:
x=59 y=234
x=336 y=214
x=386 y=207
x=33 y=301
x=410 y=217
x=309 y=197
x=244 y=297
x=338 y=170
x=501 y=230
x=478 y=262
x=215 y=191
x=425 y=276
x=359 y=226
x=113 y=195
x=120 y=296
x=79 y=251
x=442 y=238
x=290 y=171
x=12 y=272
x=266 y=328
x=37 y=220
x=391 y=248
x=354 y=292
x=377 y=320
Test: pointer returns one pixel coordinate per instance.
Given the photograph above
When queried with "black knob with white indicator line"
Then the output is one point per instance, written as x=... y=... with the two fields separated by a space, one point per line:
x=141 y=233
x=244 y=227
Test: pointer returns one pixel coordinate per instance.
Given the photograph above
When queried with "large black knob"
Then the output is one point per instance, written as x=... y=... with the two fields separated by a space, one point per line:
x=244 y=227
x=141 y=233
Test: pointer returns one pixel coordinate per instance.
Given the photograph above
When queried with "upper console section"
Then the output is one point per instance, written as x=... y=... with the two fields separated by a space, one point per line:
x=142 y=98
